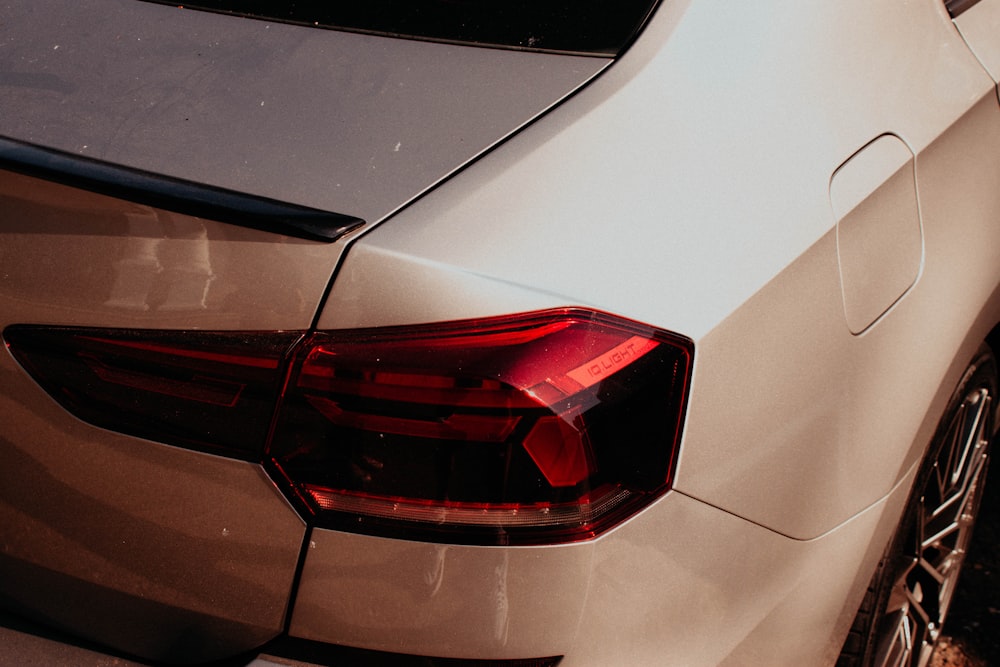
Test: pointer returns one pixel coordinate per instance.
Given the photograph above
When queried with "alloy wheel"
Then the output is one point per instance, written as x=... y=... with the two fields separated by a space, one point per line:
x=939 y=528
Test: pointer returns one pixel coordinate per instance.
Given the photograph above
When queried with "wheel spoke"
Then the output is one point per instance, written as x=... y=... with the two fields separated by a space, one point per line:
x=897 y=647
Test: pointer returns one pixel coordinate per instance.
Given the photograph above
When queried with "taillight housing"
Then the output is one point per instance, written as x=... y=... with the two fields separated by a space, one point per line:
x=212 y=391
x=535 y=428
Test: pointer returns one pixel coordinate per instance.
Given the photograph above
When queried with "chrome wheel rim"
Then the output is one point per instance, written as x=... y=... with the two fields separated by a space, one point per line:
x=939 y=533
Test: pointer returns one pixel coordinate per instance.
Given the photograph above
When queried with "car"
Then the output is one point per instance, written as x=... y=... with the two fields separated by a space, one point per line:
x=513 y=333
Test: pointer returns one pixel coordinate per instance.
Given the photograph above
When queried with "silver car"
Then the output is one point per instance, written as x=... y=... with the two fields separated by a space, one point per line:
x=507 y=332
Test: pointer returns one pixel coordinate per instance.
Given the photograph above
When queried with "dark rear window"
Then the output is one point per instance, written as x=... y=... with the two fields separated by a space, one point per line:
x=598 y=27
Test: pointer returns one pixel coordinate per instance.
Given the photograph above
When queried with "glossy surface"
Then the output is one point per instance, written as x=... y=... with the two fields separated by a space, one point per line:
x=109 y=262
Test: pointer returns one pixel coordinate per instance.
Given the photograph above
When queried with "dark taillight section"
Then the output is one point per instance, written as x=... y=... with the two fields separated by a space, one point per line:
x=210 y=391
x=538 y=428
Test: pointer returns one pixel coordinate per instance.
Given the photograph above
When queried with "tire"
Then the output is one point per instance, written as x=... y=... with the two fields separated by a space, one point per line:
x=907 y=601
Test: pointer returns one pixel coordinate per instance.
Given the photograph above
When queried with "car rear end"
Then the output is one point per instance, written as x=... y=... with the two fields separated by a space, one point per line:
x=333 y=337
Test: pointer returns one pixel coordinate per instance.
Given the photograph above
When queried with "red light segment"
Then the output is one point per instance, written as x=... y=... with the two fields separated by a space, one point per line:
x=322 y=372
x=482 y=428
x=154 y=349
x=455 y=431
x=198 y=388
x=560 y=451
x=612 y=361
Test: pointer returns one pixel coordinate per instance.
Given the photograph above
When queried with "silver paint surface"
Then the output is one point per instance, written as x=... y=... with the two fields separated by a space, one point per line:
x=342 y=122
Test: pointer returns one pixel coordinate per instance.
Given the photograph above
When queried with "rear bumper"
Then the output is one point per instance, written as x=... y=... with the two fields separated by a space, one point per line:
x=681 y=584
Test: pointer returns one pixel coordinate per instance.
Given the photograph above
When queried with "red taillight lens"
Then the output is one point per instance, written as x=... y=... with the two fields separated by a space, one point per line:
x=538 y=428
x=544 y=427
x=210 y=391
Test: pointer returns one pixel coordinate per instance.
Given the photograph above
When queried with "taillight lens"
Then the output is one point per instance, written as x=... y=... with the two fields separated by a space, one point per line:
x=210 y=391
x=536 y=428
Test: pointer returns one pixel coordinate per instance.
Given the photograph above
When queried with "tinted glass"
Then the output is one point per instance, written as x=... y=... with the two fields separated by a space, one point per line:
x=600 y=27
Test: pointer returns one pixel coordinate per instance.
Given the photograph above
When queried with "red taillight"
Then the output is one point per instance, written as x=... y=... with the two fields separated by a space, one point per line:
x=538 y=428
x=535 y=428
x=210 y=391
